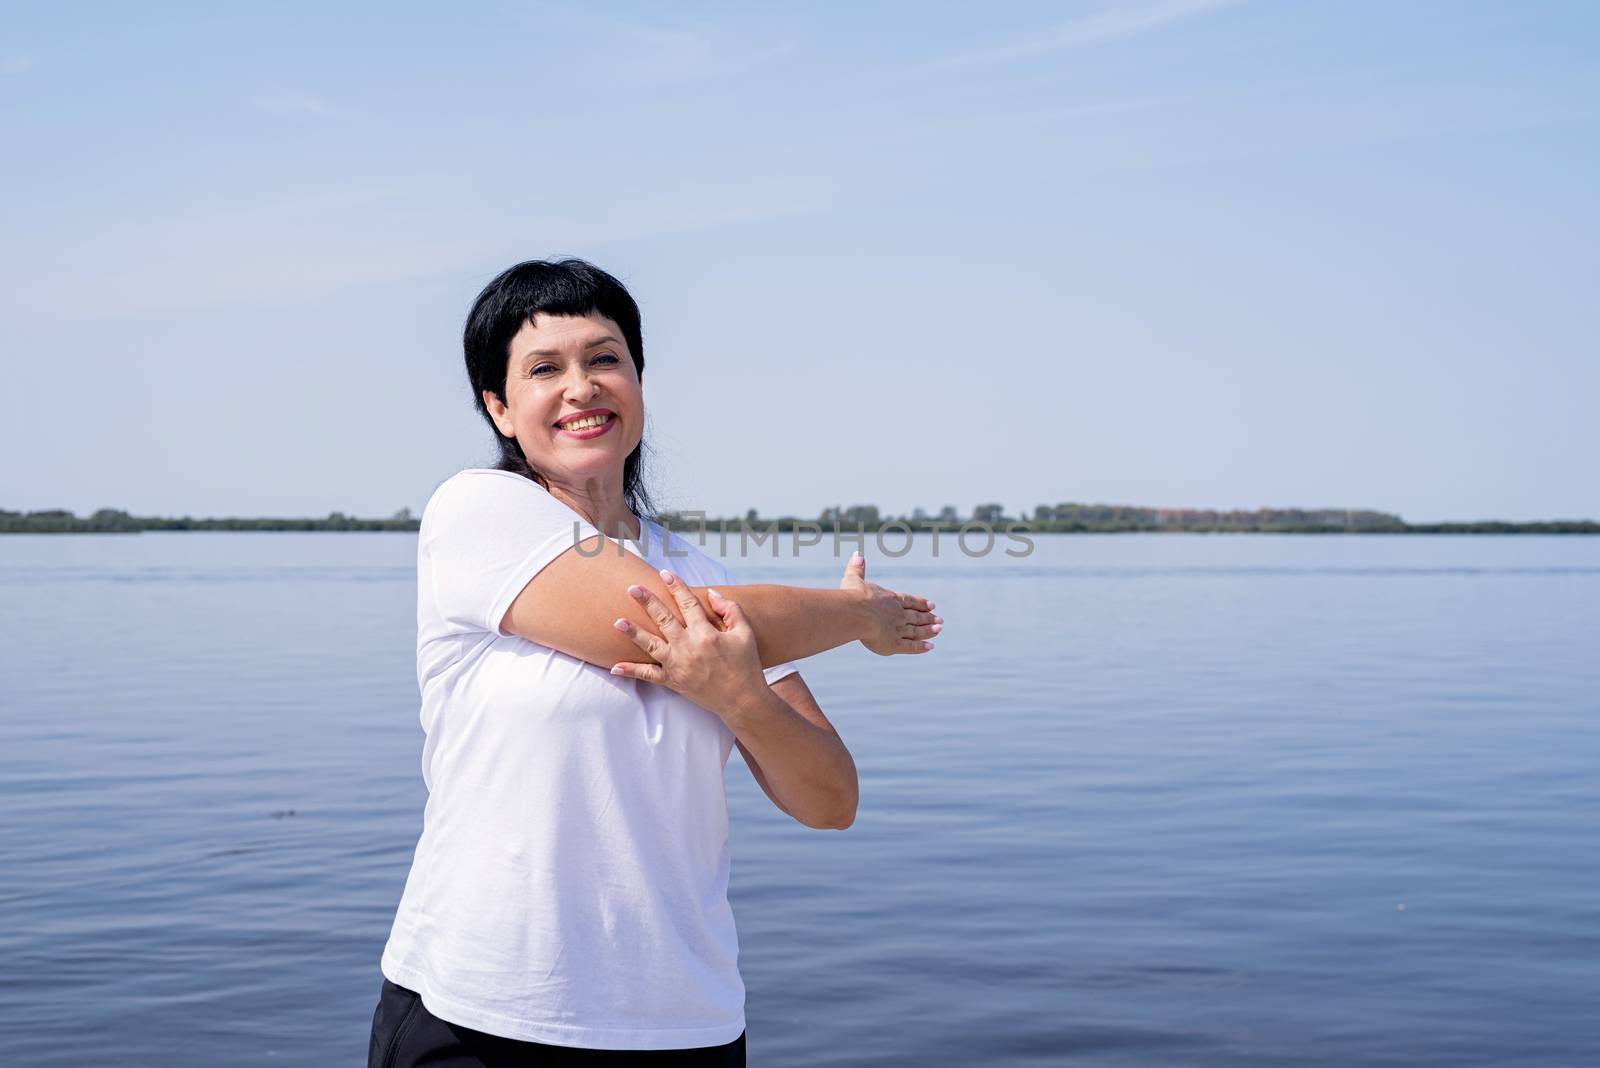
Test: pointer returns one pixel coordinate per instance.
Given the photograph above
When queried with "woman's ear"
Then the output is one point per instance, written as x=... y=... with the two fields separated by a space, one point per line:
x=499 y=413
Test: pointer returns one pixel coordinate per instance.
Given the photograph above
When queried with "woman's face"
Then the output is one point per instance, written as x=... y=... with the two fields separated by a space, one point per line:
x=573 y=398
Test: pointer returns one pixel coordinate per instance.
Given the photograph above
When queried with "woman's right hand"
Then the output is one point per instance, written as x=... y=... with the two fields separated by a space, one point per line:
x=711 y=662
x=897 y=622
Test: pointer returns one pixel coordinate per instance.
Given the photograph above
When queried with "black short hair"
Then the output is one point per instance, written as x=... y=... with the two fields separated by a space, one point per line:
x=553 y=287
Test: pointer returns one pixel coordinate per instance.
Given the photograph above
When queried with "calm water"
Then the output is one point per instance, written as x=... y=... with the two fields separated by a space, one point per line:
x=1175 y=800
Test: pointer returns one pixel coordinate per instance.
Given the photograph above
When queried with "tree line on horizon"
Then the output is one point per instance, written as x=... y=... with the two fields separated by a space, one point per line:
x=1066 y=518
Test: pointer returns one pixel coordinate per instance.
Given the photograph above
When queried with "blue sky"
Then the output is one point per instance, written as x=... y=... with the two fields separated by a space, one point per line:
x=1166 y=252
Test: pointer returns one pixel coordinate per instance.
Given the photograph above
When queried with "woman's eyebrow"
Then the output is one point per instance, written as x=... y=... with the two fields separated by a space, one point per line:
x=591 y=343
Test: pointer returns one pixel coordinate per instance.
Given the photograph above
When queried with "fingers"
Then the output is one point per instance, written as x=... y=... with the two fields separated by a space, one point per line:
x=693 y=614
x=719 y=609
x=920 y=624
x=911 y=600
x=855 y=572
x=732 y=615
x=913 y=645
x=640 y=672
x=664 y=617
x=655 y=648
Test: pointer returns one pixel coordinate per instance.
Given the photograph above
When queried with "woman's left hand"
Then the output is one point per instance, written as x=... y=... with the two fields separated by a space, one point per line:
x=713 y=663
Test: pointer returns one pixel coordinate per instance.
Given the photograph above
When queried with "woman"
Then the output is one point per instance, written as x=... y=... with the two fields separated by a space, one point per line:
x=569 y=892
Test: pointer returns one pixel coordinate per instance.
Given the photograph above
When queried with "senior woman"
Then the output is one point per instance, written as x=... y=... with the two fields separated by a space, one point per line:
x=583 y=681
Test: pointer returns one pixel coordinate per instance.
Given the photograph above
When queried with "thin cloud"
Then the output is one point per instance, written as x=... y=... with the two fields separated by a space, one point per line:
x=255 y=252
x=868 y=141
x=646 y=54
x=1113 y=24
x=295 y=103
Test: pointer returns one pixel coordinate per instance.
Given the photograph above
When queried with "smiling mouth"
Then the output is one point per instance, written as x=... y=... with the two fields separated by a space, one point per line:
x=587 y=422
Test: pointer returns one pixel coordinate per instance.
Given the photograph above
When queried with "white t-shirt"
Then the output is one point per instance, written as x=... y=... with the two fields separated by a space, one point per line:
x=571 y=882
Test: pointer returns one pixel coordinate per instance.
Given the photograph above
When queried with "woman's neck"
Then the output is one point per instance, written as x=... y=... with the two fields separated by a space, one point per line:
x=602 y=506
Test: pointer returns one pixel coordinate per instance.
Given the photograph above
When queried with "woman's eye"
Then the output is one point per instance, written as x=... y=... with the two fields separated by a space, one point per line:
x=544 y=369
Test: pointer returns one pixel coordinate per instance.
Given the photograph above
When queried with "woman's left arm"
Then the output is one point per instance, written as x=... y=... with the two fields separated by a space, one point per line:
x=796 y=756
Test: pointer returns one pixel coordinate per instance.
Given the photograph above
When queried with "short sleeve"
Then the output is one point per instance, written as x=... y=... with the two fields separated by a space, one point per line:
x=773 y=674
x=483 y=536
x=777 y=671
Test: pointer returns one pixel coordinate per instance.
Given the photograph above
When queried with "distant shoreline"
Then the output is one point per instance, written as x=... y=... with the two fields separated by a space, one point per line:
x=1063 y=519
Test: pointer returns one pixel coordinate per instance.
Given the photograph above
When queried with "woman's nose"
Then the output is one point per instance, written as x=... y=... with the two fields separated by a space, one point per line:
x=580 y=387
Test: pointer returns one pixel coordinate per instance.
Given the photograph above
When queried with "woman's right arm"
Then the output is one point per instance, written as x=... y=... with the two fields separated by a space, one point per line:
x=573 y=602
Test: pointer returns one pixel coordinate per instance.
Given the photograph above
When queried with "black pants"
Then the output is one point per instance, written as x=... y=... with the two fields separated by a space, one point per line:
x=406 y=1035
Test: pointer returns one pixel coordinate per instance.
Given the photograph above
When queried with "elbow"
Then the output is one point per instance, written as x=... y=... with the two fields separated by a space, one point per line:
x=839 y=822
x=836 y=817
